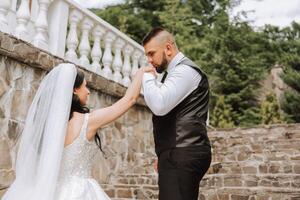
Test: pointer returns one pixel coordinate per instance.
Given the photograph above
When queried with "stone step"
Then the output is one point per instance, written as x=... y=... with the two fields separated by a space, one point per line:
x=248 y=154
x=254 y=167
x=258 y=133
x=255 y=193
x=232 y=139
x=280 y=181
x=247 y=144
x=130 y=192
x=135 y=179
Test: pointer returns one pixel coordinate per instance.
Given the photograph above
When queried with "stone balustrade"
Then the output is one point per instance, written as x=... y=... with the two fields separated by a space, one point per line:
x=67 y=30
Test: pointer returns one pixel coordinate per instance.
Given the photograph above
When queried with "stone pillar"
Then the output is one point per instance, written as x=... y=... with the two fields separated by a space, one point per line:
x=41 y=26
x=23 y=16
x=4 y=7
x=135 y=61
x=127 y=67
x=84 y=46
x=72 y=39
x=96 y=51
x=117 y=64
x=58 y=22
x=107 y=57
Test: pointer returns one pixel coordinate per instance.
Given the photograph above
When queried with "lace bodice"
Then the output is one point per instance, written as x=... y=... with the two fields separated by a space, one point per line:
x=77 y=156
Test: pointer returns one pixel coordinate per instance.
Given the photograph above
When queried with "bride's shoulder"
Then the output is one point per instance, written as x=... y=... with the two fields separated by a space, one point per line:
x=74 y=126
x=77 y=116
x=76 y=120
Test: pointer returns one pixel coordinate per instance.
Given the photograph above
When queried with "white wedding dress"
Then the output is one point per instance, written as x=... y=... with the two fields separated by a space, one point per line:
x=75 y=181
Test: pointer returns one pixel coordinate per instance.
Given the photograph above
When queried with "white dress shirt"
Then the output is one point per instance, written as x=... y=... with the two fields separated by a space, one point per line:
x=161 y=98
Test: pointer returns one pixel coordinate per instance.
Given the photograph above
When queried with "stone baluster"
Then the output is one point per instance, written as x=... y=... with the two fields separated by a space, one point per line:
x=4 y=8
x=84 y=46
x=72 y=39
x=135 y=61
x=143 y=60
x=41 y=26
x=58 y=15
x=117 y=63
x=23 y=16
x=107 y=56
x=96 y=54
x=126 y=67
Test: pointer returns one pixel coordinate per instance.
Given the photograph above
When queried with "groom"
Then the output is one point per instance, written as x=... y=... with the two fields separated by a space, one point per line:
x=179 y=104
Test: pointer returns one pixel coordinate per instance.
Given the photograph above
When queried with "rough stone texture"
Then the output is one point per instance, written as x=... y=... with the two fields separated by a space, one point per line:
x=273 y=82
x=255 y=163
x=261 y=163
x=279 y=85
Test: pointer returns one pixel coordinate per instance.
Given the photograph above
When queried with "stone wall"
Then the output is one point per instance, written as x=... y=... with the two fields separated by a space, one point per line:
x=254 y=164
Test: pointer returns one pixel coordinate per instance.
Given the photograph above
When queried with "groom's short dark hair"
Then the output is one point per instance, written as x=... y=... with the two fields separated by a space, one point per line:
x=154 y=32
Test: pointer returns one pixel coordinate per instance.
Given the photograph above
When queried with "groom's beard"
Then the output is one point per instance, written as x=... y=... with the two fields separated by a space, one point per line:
x=163 y=66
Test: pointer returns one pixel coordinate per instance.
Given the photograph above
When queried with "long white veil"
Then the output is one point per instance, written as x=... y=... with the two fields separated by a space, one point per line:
x=42 y=140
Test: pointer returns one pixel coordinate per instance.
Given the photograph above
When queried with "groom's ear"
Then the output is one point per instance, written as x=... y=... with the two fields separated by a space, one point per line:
x=168 y=49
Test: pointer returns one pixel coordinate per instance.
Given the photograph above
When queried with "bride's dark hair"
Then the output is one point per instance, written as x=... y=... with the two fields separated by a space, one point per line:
x=78 y=107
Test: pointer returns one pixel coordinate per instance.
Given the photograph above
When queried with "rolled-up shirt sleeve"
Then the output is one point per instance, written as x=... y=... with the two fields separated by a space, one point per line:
x=162 y=98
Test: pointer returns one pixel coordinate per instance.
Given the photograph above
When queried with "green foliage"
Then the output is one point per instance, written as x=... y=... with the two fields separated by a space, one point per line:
x=291 y=102
x=270 y=110
x=181 y=25
x=128 y=20
x=288 y=40
x=291 y=105
x=222 y=114
x=235 y=57
x=249 y=117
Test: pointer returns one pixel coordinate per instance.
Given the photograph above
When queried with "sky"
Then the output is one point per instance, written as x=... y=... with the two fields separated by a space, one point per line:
x=97 y=3
x=276 y=12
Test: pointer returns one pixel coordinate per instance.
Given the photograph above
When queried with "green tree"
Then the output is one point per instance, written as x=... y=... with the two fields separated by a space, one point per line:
x=181 y=25
x=270 y=110
x=235 y=58
x=291 y=76
x=288 y=41
x=221 y=116
x=234 y=55
x=134 y=17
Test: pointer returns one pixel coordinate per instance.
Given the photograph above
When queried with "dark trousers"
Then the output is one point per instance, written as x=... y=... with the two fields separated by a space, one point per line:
x=180 y=172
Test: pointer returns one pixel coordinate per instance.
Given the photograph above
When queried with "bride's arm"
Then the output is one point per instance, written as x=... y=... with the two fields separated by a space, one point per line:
x=103 y=116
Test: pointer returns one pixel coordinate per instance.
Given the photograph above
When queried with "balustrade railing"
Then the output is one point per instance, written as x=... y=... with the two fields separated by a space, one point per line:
x=67 y=30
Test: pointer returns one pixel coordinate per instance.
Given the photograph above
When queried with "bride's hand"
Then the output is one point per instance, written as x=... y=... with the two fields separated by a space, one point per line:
x=149 y=69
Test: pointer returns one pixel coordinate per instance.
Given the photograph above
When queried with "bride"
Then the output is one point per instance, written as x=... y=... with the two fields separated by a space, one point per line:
x=56 y=147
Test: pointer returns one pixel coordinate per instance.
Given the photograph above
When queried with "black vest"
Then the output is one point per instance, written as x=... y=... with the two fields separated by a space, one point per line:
x=184 y=125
